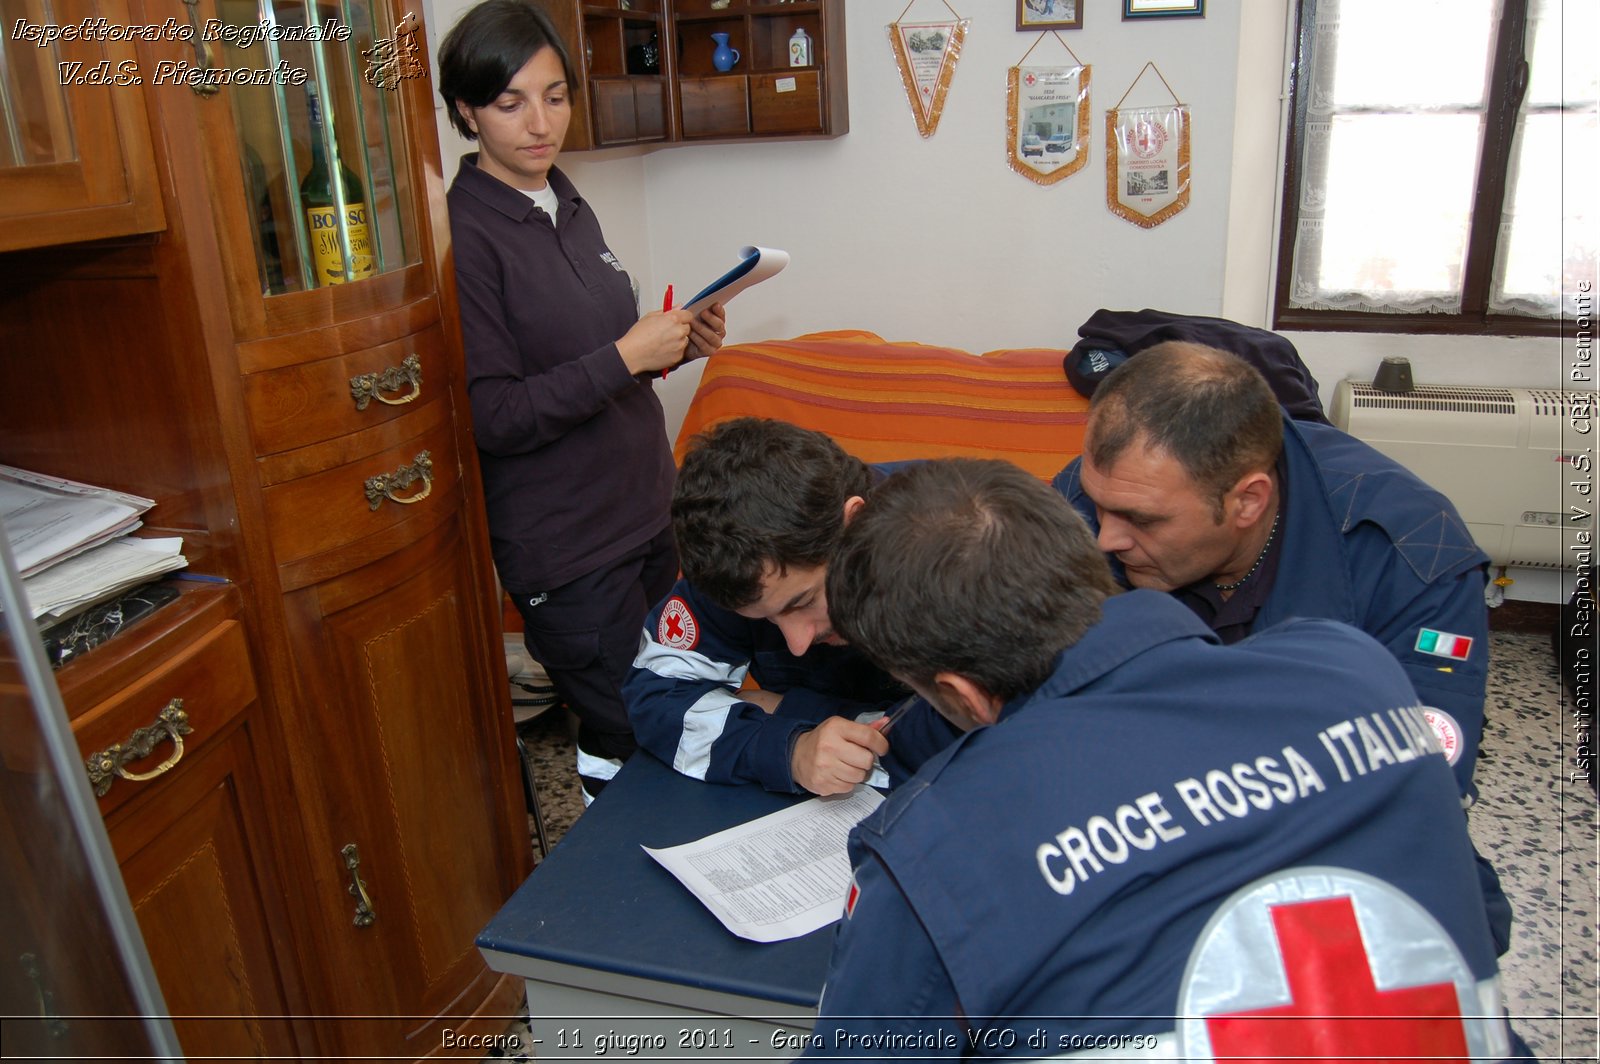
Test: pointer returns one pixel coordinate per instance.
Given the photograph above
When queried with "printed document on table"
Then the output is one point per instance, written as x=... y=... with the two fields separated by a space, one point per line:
x=781 y=876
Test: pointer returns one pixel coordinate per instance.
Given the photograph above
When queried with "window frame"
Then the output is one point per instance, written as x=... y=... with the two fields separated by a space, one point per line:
x=1508 y=83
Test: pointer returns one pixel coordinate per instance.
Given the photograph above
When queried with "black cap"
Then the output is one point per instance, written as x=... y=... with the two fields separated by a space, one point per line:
x=1088 y=363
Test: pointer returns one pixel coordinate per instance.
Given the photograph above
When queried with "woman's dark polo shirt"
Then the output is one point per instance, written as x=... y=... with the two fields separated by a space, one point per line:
x=576 y=466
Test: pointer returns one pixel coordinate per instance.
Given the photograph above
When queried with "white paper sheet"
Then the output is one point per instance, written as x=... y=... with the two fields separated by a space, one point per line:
x=756 y=264
x=102 y=572
x=49 y=518
x=780 y=876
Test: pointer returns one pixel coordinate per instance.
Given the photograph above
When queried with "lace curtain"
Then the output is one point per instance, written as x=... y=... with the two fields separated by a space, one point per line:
x=1396 y=93
x=1550 y=228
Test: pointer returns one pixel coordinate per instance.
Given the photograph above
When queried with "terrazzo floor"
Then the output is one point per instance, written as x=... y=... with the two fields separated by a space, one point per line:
x=1537 y=826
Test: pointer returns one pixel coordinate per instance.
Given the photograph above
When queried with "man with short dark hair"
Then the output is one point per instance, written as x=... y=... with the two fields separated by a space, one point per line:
x=1197 y=484
x=757 y=510
x=1143 y=841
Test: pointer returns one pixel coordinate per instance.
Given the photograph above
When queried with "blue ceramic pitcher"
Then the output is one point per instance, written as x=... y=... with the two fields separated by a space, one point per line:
x=724 y=57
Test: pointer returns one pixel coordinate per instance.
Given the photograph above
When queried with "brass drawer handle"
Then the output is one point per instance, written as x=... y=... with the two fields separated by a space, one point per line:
x=104 y=767
x=369 y=386
x=365 y=916
x=385 y=485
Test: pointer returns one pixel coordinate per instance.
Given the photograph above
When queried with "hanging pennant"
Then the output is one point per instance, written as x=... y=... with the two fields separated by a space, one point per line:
x=1047 y=119
x=927 y=53
x=1147 y=159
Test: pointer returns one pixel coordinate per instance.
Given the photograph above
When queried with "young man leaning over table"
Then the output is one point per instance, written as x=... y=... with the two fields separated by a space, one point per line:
x=757 y=510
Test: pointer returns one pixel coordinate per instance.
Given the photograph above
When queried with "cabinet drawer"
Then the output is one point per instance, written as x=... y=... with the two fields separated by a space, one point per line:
x=360 y=499
x=616 y=119
x=179 y=706
x=305 y=404
x=786 y=103
x=629 y=110
x=715 y=107
x=650 y=108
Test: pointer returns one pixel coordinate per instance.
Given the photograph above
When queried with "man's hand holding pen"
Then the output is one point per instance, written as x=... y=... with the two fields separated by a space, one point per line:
x=839 y=753
x=836 y=755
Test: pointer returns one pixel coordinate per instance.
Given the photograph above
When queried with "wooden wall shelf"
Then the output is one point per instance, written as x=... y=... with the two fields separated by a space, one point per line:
x=684 y=98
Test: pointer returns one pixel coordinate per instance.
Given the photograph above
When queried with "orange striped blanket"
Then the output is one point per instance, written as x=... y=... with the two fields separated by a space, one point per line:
x=885 y=401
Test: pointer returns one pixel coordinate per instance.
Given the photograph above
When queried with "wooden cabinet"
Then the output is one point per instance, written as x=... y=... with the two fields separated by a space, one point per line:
x=347 y=812
x=764 y=94
x=620 y=52
x=390 y=643
x=649 y=76
x=75 y=155
x=188 y=822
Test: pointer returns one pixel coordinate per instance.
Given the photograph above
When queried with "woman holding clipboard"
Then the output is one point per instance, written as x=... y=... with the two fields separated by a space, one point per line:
x=577 y=468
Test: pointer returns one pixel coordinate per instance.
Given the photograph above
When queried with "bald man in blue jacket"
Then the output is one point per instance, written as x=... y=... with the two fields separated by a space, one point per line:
x=1196 y=483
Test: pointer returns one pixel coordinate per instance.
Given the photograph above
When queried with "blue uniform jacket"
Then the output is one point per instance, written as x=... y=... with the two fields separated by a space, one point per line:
x=683 y=696
x=1368 y=543
x=1055 y=875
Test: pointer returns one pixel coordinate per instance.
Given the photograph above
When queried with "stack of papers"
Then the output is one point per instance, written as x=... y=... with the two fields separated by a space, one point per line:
x=72 y=544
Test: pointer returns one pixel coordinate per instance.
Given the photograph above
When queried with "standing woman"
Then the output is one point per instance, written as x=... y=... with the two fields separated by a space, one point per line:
x=577 y=470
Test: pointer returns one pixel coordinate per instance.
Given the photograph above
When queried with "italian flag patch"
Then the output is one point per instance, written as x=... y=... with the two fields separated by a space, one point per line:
x=1443 y=644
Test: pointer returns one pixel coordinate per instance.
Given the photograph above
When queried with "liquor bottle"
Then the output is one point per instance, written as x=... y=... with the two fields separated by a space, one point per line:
x=322 y=211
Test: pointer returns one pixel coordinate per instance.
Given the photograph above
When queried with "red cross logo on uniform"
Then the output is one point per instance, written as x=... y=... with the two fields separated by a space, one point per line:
x=1331 y=964
x=1337 y=1012
x=677 y=628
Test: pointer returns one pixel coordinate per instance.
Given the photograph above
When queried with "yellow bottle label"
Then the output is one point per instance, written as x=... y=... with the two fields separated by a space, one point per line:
x=326 y=251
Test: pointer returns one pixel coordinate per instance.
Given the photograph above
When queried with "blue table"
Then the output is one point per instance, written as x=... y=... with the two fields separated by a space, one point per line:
x=614 y=950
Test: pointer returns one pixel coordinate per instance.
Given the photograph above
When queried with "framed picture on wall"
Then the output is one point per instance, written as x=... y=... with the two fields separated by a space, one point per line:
x=1049 y=14
x=1163 y=9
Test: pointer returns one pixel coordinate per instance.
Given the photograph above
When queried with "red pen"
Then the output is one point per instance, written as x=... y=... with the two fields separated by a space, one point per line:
x=666 y=305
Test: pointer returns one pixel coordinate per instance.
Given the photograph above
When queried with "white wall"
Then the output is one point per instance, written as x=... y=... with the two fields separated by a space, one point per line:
x=936 y=240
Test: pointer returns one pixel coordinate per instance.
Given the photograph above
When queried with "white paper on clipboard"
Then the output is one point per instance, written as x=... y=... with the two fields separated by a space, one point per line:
x=755 y=265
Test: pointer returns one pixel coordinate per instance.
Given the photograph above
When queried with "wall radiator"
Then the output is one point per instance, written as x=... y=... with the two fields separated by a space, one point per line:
x=1517 y=462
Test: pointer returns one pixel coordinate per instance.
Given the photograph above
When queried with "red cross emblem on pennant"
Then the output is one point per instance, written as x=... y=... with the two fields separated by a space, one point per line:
x=1337 y=1013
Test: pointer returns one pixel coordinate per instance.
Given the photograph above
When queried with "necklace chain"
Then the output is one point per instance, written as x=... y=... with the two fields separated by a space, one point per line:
x=1237 y=584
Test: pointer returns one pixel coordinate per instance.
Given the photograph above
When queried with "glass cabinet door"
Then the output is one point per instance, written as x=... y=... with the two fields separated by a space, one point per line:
x=35 y=119
x=75 y=160
x=322 y=141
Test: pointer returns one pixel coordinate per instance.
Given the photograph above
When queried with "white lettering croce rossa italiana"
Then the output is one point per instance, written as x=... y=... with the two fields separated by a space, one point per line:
x=1354 y=747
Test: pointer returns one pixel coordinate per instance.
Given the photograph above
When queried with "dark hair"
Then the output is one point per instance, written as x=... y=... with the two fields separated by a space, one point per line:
x=484 y=50
x=971 y=566
x=1210 y=411
x=754 y=493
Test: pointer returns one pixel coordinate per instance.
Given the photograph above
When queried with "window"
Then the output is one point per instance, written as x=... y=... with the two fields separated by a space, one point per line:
x=1442 y=162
